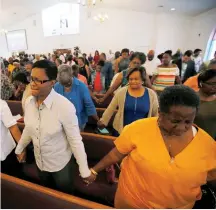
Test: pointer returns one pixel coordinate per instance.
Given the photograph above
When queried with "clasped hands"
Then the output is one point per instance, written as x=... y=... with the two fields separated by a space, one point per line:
x=22 y=157
x=89 y=180
x=99 y=100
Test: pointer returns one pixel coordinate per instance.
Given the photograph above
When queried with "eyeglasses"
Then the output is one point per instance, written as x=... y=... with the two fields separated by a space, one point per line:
x=37 y=81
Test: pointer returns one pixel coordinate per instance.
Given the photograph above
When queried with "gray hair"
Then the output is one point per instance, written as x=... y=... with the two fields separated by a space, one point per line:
x=65 y=72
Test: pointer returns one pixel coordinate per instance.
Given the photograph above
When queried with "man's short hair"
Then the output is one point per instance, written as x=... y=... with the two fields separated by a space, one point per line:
x=49 y=67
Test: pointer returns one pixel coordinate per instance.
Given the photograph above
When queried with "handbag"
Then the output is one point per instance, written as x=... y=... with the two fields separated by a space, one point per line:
x=111 y=174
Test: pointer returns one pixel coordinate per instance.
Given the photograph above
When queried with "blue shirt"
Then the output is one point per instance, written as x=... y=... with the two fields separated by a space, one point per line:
x=108 y=73
x=136 y=108
x=81 y=99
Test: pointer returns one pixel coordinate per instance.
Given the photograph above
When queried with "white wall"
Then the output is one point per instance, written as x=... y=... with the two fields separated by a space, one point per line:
x=172 y=32
x=135 y=30
x=124 y=29
x=202 y=24
x=3 y=47
x=201 y=28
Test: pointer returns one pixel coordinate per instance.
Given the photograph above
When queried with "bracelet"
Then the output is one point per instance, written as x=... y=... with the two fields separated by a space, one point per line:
x=93 y=171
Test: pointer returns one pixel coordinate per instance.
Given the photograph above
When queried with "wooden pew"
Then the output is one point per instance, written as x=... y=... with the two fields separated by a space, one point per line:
x=15 y=107
x=20 y=194
x=96 y=147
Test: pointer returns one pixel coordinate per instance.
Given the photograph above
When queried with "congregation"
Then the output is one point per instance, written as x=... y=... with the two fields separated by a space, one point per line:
x=164 y=121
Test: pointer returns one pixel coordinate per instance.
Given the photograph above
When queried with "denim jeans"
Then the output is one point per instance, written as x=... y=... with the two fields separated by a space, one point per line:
x=61 y=180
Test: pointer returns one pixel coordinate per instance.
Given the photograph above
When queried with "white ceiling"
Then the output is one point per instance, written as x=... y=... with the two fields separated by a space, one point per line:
x=12 y=11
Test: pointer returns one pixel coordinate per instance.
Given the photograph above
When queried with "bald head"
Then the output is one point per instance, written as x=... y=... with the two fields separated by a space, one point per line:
x=10 y=60
x=151 y=55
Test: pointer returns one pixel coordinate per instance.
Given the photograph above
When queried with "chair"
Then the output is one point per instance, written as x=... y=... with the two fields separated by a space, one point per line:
x=20 y=194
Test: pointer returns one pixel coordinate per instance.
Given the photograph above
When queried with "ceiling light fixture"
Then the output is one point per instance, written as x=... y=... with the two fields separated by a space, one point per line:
x=172 y=9
x=88 y=2
x=101 y=17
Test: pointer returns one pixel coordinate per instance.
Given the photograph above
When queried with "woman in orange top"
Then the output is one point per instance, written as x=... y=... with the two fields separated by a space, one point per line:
x=192 y=82
x=167 y=159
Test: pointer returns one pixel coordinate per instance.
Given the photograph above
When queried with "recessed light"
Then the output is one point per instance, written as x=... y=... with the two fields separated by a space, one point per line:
x=172 y=9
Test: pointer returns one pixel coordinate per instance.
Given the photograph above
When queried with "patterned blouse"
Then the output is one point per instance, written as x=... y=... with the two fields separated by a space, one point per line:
x=7 y=88
x=165 y=77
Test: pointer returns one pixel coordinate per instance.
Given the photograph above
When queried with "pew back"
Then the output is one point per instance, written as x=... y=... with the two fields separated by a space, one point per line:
x=20 y=194
x=15 y=107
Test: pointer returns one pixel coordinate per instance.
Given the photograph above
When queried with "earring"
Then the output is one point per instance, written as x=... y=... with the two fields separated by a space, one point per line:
x=200 y=84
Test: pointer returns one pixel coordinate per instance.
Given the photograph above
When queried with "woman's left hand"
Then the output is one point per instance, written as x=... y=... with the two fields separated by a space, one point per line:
x=90 y=179
x=22 y=157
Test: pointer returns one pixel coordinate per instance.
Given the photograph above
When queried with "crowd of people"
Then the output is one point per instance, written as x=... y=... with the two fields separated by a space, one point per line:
x=165 y=122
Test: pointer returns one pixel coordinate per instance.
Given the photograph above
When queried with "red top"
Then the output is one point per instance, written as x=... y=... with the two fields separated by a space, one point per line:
x=96 y=58
x=97 y=83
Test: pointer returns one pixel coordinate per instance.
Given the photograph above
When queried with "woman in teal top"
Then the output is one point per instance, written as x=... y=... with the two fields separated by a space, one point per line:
x=76 y=92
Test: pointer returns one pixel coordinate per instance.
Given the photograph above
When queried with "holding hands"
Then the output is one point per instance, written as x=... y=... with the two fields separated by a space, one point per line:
x=89 y=180
x=22 y=157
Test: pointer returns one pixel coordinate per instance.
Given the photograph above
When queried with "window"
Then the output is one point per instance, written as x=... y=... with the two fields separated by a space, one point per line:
x=16 y=40
x=61 y=19
x=211 y=46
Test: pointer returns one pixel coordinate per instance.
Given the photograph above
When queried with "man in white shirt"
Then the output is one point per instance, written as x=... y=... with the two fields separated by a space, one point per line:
x=110 y=56
x=197 y=59
x=61 y=57
x=51 y=123
x=151 y=63
x=9 y=133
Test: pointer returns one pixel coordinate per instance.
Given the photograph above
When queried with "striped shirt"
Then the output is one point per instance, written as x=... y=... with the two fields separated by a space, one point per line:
x=165 y=77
